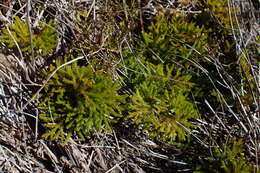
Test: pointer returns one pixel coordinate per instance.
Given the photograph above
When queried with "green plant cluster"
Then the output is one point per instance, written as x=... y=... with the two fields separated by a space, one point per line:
x=160 y=79
x=160 y=103
x=80 y=100
x=42 y=40
x=229 y=158
x=177 y=40
x=174 y=39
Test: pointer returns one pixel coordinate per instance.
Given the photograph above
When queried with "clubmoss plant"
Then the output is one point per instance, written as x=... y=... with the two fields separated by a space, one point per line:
x=44 y=39
x=229 y=158
x=160 y=103
x=81 y=101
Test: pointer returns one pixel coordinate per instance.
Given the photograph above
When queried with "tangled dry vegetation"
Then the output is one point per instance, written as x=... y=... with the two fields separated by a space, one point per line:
x=114 y=44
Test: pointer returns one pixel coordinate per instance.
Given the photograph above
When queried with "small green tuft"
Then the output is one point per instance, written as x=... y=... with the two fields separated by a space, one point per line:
x=80 y=100
x=43 y=41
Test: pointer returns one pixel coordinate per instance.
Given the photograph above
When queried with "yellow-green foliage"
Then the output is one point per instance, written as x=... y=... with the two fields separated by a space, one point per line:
x=248 y=82
x=80 y=100
x=230 y=158
x=219 y=9
x=216 y=14
x=175 y=39
x=44 y=39
x=160 y=103
x=161 y=91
